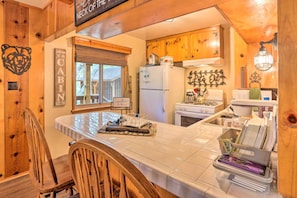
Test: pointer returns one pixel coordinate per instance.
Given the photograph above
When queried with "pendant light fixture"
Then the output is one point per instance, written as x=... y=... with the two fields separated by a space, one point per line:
x=263 y=60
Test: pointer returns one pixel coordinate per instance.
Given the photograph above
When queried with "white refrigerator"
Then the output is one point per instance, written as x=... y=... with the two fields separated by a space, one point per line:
x=160 y=88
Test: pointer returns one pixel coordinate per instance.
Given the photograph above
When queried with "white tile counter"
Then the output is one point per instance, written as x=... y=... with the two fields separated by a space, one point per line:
x=176 y=158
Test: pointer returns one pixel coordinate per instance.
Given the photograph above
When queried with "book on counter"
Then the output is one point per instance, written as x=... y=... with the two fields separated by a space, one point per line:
x=243 y=164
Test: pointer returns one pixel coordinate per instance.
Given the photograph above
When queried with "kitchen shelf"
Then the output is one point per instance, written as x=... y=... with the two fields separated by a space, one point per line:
x=254 y=103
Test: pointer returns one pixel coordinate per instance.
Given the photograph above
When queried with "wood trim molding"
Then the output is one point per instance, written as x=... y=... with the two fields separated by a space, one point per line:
x=67 y=1
x=100 y=45
x=287 y=93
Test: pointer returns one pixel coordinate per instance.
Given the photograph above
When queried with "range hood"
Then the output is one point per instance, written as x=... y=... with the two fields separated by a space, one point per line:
x=218 y=61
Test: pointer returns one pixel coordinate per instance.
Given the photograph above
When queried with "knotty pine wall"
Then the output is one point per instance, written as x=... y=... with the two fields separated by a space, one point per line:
x=19 y=25
x=287 y=114
x=2 y=135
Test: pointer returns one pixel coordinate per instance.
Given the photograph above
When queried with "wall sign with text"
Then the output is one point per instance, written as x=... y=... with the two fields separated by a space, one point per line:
x=121 y=103
x=88 y=9
x=60 y=77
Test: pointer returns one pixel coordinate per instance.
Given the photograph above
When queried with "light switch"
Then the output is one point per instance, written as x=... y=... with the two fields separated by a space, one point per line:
x=12 y=85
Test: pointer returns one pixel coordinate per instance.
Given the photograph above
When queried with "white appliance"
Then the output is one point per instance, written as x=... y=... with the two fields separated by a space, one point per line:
x=160 y=88
x=245 y=94
x=189 y=113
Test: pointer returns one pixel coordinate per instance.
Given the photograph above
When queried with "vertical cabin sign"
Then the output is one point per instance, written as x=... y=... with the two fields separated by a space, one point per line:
x=60 y=77
x=88 y=9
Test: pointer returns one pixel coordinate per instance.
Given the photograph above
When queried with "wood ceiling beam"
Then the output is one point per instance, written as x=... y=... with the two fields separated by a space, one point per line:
x=67 y=1
x=120 y=19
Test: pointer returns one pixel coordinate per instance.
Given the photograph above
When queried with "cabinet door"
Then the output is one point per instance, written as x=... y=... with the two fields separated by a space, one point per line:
x=205 y=43
x=155 y=46
x=177 y=47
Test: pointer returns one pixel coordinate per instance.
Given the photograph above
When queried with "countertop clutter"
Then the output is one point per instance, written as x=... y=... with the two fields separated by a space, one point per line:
x=178 y=159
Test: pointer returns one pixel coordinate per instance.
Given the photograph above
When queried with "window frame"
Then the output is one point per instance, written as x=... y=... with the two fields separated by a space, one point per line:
x=97 y=45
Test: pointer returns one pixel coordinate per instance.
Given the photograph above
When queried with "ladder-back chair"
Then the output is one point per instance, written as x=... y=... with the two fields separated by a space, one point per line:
x=100 y=171
x=48 y=175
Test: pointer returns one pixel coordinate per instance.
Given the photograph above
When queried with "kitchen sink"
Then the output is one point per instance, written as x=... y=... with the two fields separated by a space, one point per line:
x=218 y=120
x=226 y=120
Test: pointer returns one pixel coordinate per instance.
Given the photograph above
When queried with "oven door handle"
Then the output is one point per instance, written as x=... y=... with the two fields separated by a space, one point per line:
x=192 y=114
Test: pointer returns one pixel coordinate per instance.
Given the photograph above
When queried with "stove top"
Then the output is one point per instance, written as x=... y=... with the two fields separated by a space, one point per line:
x=206 y=108
x=213 y=103
x=206 y=103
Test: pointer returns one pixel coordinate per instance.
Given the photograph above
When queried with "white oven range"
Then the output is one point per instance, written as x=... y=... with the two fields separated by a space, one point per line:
x=190 y=113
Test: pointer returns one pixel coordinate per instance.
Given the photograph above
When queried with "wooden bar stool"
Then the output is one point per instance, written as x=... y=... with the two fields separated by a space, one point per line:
x=100 y=171
x=48 y=175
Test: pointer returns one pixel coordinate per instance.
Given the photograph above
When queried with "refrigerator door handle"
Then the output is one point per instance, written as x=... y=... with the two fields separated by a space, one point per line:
x=163 y=101
x=163 y=97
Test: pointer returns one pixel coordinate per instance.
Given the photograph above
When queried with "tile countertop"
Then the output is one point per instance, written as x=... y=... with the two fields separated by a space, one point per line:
x=176 y=158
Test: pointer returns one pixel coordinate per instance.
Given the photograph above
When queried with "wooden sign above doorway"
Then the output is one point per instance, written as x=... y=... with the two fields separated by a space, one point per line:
x=85 y=10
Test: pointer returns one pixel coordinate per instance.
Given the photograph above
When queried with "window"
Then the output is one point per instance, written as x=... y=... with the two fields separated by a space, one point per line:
x=100 y=71
x=97 y=83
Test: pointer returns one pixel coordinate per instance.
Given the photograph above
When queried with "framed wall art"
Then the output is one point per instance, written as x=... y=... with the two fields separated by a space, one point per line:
x=85 y=10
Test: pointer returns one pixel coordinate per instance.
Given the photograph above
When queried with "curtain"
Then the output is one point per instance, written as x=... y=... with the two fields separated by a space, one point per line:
x=95 y=55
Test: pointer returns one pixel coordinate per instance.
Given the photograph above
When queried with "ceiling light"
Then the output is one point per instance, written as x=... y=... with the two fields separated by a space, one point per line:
x=263 y=60
x=169 y=20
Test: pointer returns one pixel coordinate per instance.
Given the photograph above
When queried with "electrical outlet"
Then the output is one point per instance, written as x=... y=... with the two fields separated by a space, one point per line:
x=12 y=85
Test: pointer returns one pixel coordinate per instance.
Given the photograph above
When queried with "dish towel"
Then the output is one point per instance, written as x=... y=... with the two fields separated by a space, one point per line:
x=255 y=93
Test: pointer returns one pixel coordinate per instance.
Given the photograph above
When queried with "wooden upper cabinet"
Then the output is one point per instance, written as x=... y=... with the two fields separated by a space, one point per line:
x=177 y=47
x=204 y=43
x=155 y=47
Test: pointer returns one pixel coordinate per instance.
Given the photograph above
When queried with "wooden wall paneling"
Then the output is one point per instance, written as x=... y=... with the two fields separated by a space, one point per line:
x=100 y=45
x=49 y=18
x=65 y=15
x=16 y=34
x=67 y=1
x=287 y=94
x=58 y=19
x=2 y=134
x=138 y=2
x=36 y=72
x=228 y=66
x=240 y=58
